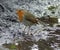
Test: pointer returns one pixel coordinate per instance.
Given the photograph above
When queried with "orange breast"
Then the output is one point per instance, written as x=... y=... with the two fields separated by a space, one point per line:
x=20 y=14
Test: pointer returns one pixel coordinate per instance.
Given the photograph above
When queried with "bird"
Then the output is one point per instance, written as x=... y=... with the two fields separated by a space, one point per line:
x=26 y=17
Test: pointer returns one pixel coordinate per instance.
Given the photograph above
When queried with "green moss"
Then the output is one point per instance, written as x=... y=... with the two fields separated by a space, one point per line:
x=51 y=8
x=10 y=46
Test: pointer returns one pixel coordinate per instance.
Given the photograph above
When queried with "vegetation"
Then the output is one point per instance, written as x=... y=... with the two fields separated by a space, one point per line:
x=52 y=8
x=44 y=45
x=10 y=46
x=49 y=20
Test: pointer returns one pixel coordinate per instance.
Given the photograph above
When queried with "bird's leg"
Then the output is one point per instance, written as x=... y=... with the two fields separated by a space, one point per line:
x=24 y=31
x=24 y=28
x=28 y=30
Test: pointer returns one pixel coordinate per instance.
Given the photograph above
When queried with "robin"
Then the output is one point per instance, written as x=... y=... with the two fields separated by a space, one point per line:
x=26 y=17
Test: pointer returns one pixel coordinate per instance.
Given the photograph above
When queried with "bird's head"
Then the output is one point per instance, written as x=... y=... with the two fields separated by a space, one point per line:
x=20 y=14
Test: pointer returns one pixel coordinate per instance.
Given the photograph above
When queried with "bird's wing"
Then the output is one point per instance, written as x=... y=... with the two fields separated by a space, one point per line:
x=30 y=17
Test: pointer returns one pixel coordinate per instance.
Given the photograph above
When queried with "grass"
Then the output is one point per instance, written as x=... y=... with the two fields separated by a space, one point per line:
x=10 y=46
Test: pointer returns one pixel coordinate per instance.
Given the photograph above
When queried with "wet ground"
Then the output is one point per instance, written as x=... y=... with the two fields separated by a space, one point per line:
x=50 y=42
